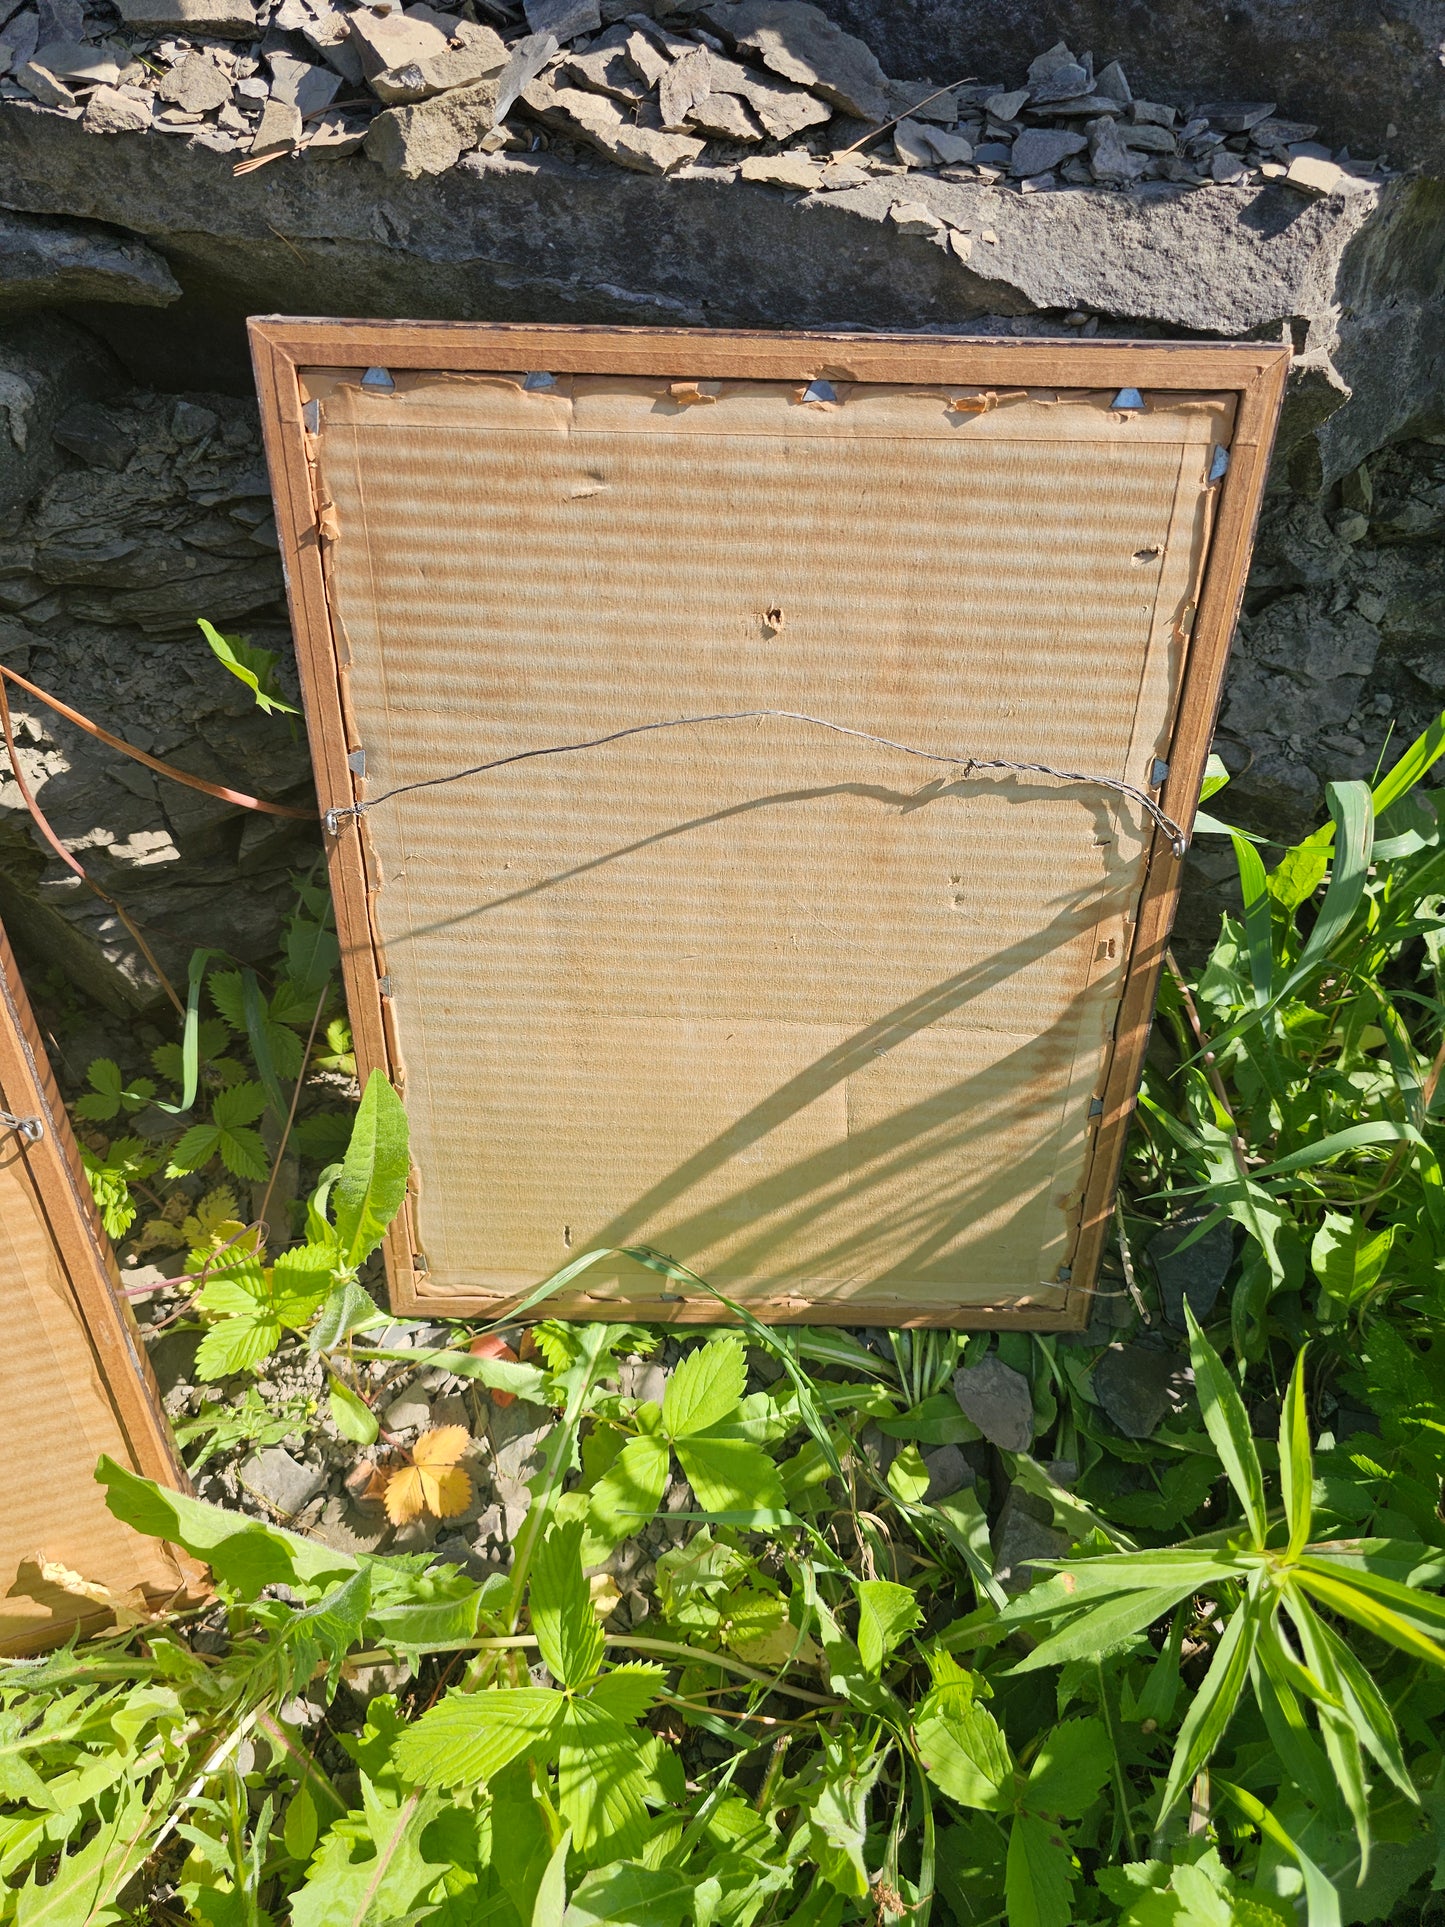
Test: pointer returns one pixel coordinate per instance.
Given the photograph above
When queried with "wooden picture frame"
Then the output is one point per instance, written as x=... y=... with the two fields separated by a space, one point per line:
x=81 y=1382
x=1249 y=376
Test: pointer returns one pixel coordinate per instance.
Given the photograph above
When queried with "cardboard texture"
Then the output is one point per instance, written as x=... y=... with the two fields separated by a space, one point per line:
x=853 y=1035
x=76 y=1381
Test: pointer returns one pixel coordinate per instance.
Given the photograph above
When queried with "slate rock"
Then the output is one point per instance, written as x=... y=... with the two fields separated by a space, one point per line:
x=1007 y=106
x=349 y=1528
x=724 y=117
x=432 y=135
x=87 y=431
x=1038 y=149
x=1195 y=1275
x=302 y=84
x=1065 y=83
x=793 y=169
x=912 y=145
x=173 y=1359
x=1114 y=82
x=456 y=67
x=564 y=19
x=527 y=59
x=687 y=81
x=196 y=84
x=384 y=40
x=802 y=44
x=76 y=61
x=278 y=130
x=1314 y=176
x=1138 y=1387
x=1024 y=1532
x=993 y=153
x=227 y=19
x=44 y=262
x=948 y=1472
x=1145 y=138
x=915 y=217
x=998 y=1401
x=410 y=1411
x=1234 y=116
x=42 y=85
x=1110 y=161
x=783 y=110
x=278 y=1478
x=605 y=70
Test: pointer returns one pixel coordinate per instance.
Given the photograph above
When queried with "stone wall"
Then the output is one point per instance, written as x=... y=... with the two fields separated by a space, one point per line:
x=131 y=487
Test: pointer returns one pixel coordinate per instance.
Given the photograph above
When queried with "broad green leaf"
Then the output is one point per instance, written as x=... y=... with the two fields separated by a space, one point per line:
x=1038 y=1875
x=908 y=1477
x=838 y=1820
x=1068 y=1770
x=348 y=1309
x=1296 y=1461
x=467 y=1738
x=353 y=1418
x=631 y=1895
x=241 y=1551
x=1348 y=1258
x=1213 y=1706
x=568 y=1635
x=258 y=1036
x=1227 y=1423
x=375 y=1880
x=963 y=1751
x=886 y=1613
x=300 y=1827
x=1299 y=873
x=626 y=1692
x=256 y=668
x=705 y=1388
x=85 y=1880
x=601 y=1780
x=374 y=1173
x=626 y=1497
x=730 y=1475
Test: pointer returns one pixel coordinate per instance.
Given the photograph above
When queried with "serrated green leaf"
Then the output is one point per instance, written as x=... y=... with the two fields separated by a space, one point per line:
x=626 y=1497
x=236 y=1344
x=374 y=1173
x=1038 y=1875
x=196 y=1147
x=568 y=1635
x=601 y=1780
x=730 y=1475
x=1069 y=1770
x=467 y=1738
x=908 y=1477
x=238 y=1104
x=626 y=1692
x=886 y=1613
x=963 y=1751
x=705 y=1388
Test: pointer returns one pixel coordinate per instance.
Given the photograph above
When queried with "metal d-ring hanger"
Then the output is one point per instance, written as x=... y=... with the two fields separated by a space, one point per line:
x=968 y=765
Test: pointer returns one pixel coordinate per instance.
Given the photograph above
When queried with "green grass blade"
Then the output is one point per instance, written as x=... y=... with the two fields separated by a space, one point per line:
x=1426 y=750
x=1258 y=931
x=1227 y=1423
x=1296 y=1461
x=1353 y=812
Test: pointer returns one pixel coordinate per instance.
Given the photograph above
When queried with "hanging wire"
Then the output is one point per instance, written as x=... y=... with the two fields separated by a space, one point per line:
x=968 y=765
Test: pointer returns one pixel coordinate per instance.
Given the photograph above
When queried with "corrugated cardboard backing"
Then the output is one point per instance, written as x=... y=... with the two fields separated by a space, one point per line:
x=75 y=1385
x=797 y=1010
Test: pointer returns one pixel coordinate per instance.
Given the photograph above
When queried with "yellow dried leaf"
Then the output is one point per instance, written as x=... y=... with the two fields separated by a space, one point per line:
x=433 y=1482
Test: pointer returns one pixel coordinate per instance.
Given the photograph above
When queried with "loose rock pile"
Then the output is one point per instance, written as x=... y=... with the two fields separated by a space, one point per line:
x=764 y=90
